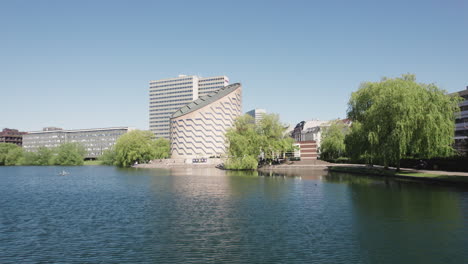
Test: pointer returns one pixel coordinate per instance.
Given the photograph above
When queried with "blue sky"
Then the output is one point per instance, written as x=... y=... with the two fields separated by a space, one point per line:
x=87 y=64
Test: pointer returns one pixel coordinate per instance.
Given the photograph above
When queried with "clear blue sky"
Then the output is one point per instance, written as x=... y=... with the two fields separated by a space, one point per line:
x=87 y=64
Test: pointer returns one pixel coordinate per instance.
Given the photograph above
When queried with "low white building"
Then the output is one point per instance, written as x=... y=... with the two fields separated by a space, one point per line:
x=95 y=140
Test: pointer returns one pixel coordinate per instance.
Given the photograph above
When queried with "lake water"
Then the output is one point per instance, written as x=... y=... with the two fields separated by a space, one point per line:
x=100 y=214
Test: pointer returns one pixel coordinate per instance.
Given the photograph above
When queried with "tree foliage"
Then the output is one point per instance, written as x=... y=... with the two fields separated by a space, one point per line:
x=397 y=118
x=108 y=157
x=162 y=148
x=247 y=141
x=9 y=154
x=139 y=146
x=272 y=138
x=13 y=157
x=332 y=145
x=69 y=154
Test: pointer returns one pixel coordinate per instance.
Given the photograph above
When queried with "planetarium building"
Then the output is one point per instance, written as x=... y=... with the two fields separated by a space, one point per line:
x=198 y=129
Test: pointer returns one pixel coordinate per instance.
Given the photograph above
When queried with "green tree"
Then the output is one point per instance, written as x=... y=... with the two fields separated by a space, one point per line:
x=398 y=118
x=247 y=141
x=29 y=159
x=272 y=137
x=333 y=145
x=69 y=154
x=108 y=157
x=7 y=158
x=162 y=148
x=45 y=155
x=13 y=157
x=135 y=146
x=243 y=141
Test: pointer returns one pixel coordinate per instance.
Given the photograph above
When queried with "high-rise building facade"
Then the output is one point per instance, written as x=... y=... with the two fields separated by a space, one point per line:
x=169 y=95
x=257 y=114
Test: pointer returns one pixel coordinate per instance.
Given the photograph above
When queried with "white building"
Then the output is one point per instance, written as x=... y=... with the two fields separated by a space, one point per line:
x=169 y=95
x=257 y=114
x=199 y=128
x=94 y=140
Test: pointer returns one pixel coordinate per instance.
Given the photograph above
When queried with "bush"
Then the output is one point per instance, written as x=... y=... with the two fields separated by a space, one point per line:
x=244 y=163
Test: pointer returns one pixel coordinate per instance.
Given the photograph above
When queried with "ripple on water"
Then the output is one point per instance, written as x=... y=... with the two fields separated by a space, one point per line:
x=105 y=215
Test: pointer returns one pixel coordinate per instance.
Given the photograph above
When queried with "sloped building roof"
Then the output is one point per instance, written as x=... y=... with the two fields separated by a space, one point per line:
x=206 y=100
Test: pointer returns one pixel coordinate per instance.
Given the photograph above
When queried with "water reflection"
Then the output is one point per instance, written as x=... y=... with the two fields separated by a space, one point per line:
x=392 y=215
x=104 y=214
x=306 y=174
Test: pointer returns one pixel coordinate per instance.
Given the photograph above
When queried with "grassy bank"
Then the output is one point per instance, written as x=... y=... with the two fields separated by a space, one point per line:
x=373 y=171
x=92 y=162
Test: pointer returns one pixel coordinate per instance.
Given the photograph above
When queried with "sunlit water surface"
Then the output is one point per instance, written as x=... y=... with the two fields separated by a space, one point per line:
x=100 y=214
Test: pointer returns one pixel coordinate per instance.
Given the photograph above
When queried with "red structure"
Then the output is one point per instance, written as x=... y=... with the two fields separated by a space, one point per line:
x=308 y=150
x=12 y=136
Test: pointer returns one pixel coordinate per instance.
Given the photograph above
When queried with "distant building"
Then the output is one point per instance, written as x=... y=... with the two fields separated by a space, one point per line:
x=308 y=136
x=461 y=124
x=257 y=114
x=168 y=95
x=198 y=129
x=95 y=141
x=309 y=131
x=12 y=136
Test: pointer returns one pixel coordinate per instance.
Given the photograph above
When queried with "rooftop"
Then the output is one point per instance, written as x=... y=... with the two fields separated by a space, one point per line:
x=206 y=100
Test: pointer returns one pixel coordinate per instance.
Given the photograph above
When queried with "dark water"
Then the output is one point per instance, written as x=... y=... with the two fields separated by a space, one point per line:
x=107 y=215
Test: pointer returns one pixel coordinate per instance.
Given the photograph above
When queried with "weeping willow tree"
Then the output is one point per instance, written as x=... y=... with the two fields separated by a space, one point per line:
x=400 y=118
x=333 y=146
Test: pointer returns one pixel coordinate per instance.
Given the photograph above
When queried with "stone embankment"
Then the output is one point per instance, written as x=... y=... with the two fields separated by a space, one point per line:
x=303 y=164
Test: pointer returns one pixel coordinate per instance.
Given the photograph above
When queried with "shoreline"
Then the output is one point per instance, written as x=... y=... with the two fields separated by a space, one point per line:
x=405 y=173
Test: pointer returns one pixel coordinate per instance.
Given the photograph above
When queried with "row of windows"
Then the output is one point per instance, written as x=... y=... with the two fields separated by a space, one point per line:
x=166 y=117
x=170 y=89
x=160 y=117
x=69 y=135
x=180 y=98
x=167 y=126
x=174 y=80
x=160 y=122
x=208 y=84
x=462 y=120
x=174 y=85
x=461 y=133
x=176 y=92
x=164 y=113
x=166 y=105
x=464 y=108
x=211 y=88
x=161 y=129
x=212 y=79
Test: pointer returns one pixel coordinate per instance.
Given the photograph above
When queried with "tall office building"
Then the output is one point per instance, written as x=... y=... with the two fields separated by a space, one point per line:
x=257 y=114
x=169 y=95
